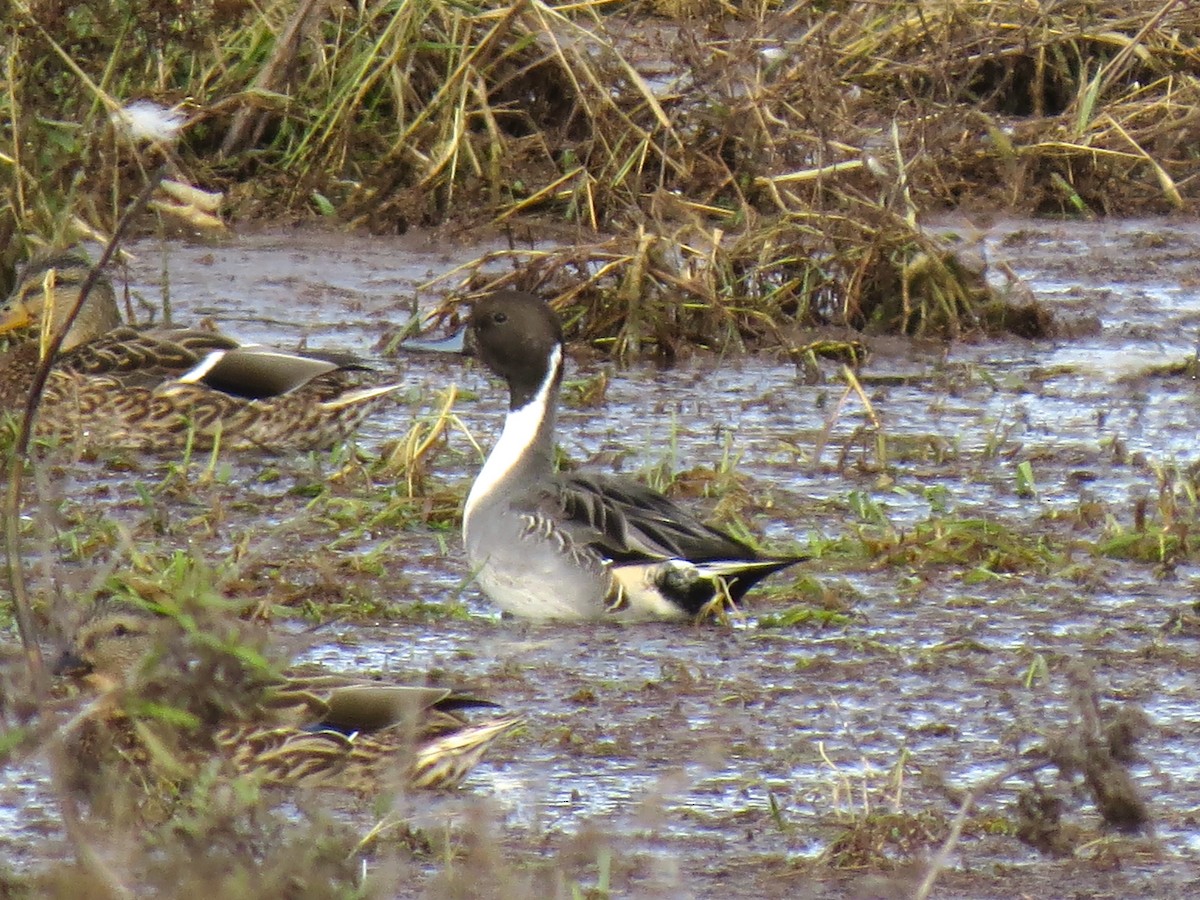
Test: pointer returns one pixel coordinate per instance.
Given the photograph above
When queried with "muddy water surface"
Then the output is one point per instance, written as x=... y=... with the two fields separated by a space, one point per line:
x=726 y=760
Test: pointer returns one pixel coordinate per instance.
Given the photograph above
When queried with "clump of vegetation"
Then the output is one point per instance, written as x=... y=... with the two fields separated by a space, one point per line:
x=767 y=178
x=1097 y=748
x=141 y=806
x=666 y=292
x=1090 y=755
x=134 y=755
x=1091 y=747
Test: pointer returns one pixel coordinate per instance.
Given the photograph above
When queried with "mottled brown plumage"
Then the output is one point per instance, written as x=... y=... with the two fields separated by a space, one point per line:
x=312 y=731
x=119 y=387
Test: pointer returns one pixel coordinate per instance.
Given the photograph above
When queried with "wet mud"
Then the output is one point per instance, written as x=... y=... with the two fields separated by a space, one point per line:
x=819 y=744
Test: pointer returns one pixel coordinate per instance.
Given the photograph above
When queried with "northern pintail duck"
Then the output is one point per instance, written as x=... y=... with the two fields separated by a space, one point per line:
x=311 y=731
x=119 y=387
x=549 y=545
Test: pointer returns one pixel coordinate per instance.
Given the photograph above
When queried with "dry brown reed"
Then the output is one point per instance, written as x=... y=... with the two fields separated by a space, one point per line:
x=759 y=168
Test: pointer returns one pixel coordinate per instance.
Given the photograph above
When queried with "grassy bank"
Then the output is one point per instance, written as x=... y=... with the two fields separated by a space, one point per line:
x=720 y=174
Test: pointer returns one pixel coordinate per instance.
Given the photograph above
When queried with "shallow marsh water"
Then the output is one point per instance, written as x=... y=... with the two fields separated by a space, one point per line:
x=714 y=761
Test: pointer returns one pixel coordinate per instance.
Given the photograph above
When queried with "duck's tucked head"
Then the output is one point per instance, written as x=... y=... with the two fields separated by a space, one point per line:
x=515 y=335
x=110 y=645
x=56 y=279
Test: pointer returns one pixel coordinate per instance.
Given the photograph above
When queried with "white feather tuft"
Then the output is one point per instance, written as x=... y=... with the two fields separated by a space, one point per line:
x=145 y=120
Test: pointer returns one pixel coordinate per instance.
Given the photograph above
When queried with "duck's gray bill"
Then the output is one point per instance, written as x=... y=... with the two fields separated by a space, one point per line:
x=452 y=344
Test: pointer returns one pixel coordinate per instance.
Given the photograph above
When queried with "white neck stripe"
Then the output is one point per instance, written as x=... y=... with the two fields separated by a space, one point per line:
x=520 y=431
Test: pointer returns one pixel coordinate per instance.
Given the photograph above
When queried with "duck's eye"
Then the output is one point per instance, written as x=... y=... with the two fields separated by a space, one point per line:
x=499 y=317
x=120 y=631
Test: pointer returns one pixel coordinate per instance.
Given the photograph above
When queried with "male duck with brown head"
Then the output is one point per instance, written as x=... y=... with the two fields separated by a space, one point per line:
x=311 y=731
x=572 y=546
x=119 y=387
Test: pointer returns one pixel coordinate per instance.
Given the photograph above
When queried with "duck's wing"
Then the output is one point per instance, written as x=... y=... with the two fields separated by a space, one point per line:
x=334 y=729
x=203 y=357
x=629 y=522
x=349 y=705
x=145 y=357
x=256 y=373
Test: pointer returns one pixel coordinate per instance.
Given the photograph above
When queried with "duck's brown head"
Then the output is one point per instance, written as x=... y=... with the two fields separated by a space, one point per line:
x=53 y=282
x=109 y=646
